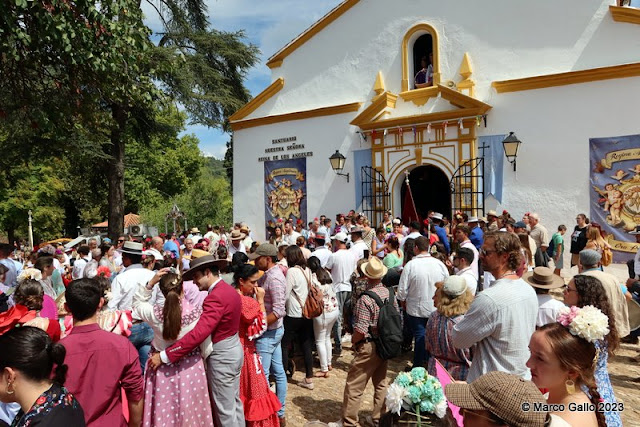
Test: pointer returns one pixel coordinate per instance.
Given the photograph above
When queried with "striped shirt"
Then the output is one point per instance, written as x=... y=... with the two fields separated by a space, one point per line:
x=275 y=288
x=500 y=323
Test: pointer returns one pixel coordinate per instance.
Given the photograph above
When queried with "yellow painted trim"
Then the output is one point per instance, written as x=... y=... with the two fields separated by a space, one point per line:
x=405 y=54
x=465 y=67
x=276 y=60
x=420 y=96
x=260 y=99
x=463 y=101
x=568 y=78
x=378 y=86
x=379 y=103
x=422 y=118
x=625 y=14
x=298 y=115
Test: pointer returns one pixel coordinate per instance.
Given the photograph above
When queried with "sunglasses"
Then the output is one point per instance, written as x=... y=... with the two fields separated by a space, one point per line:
x=120 y=241
x=485 y=252
x=567 y=289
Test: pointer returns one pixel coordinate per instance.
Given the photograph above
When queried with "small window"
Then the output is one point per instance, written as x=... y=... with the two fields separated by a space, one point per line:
x=423 y=61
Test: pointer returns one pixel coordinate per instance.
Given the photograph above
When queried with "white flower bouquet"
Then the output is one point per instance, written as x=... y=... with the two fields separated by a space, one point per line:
x=587 y=322
x=417 y=393
x=29 y=274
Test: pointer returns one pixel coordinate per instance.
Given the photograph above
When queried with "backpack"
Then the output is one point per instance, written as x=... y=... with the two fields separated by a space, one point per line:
x=551 y=249
x=314 y=304
x=389 y=338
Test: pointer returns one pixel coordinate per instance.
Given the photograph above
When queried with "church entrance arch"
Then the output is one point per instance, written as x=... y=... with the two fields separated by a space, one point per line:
x=430 y=189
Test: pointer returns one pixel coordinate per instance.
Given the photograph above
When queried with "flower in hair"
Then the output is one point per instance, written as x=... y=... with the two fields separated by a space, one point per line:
x=104 y=271
x=30 y=274
x=587 y=322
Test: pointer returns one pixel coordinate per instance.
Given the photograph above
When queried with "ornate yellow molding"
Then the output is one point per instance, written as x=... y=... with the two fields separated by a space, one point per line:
x=420 y=96
x=260 y=99
x=378 y=86
x=299 y=115
x=625 y=14
x=405 y=54
x=378 y=104
x=465 y=71
x=568 y=78
x=422 y=118
x=276 y=60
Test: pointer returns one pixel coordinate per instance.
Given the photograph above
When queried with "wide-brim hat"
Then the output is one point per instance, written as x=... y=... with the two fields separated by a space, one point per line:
x=543 y=278
x=356 y=229
x=374 y=269
x=154 y=253
x=200 y=264
x=472 y=219
x=636 y=231
x=244 y=229
x=194 y=230
x=488 y=393
x=133 y=248
x=492 y=213
x=482 y=219
x=437 y=215
x=237 y=235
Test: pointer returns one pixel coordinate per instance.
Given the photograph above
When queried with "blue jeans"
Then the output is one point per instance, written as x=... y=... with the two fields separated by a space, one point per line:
x=418 y=327
x=141 y=337
x=341 y=298
x=270 y=351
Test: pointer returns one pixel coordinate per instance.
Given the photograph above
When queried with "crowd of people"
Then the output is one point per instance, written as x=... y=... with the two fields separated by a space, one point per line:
x=200 y=330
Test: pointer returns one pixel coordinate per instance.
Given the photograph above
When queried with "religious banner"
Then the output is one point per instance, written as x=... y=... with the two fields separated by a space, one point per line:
x=285 y=191
x=615 y=191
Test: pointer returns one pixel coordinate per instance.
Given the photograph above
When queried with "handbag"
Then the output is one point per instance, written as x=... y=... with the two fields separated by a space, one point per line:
x=607 y=256
x=314 y=304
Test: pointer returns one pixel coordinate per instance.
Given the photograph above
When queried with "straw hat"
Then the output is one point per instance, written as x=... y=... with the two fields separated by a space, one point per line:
x=543 y=278
x=492 y=213
x=133 y=248
x=374 y=269
x=194 y=230
x=237 y=235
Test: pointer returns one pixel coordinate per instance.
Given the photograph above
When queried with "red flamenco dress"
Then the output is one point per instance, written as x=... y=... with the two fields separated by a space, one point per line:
x=260 y=403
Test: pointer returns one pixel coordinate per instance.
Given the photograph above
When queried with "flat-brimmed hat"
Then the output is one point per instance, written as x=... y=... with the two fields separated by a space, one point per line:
x=154 y=253
x=543 y=278
x=636 y=231
x=200 y=264
x=437 y=215
x=374 y=269
x=502 y=394
x=482 y=219
x=472 y=219
x=244 y=229
x=356 y=229
x=194 y=230
x=133 y=248
x=492 y=213
x=197 y=253
x=265 y=249
x=237 y=235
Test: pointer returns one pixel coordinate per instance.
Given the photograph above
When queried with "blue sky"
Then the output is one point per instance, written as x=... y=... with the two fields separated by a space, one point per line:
x=269 y=25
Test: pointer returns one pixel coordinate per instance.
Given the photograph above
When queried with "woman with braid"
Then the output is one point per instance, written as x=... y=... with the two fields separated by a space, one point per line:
x=175 y=394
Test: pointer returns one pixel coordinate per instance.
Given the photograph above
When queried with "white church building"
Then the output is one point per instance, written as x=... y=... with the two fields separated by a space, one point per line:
x=556 y=73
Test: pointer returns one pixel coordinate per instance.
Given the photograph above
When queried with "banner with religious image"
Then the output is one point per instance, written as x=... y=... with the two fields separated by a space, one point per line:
x=615 y=191
x=285 y=191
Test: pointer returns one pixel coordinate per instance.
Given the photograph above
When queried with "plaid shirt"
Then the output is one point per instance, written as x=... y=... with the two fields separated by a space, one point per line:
x=275 y=287
x=366 y=311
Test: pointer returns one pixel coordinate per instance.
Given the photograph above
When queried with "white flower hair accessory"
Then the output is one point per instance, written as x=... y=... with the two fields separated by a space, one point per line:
x=587 y=322
x=30 y=274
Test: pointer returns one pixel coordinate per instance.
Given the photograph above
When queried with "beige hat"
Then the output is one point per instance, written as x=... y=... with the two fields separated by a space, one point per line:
x=374 y=269
x=543 y=278
x=194 y=230
x=237 y=235
x=454 y=286
x=492 y=213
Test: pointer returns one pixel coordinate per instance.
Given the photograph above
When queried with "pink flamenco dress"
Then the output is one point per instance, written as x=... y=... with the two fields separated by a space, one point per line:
x=260 y=403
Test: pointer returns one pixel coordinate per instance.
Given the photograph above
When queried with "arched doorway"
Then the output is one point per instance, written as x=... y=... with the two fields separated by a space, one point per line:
x=430 y=190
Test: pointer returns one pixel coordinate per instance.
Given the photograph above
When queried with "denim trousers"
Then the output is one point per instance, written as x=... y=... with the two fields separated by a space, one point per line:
x=418 y=326
x=270 y=350
x=141 y=337
x=341 y=297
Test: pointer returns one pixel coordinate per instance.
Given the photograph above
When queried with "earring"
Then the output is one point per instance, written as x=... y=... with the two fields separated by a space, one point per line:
x=571 y=386
x=9 y=391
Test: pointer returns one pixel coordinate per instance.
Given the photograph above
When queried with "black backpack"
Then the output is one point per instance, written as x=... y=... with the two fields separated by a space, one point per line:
x=389 y=338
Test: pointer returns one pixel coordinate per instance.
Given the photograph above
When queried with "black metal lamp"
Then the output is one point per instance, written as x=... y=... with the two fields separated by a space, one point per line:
x=511 y=144
x=337 y=161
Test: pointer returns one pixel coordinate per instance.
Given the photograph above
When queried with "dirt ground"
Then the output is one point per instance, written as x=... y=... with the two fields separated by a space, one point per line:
x=324 y=402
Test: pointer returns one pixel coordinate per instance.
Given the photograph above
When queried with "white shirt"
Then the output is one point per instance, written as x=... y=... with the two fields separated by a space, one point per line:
x=548 y=308
x=472 y=282
x=290 y=239
x=474 y=265
x=125 y=285
x=297 y=290
x=322 y=253
x=78 y=268
x=341 y=264
x=499 y=323
x=232 y=250
x=358 y=249
x=418 y=284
